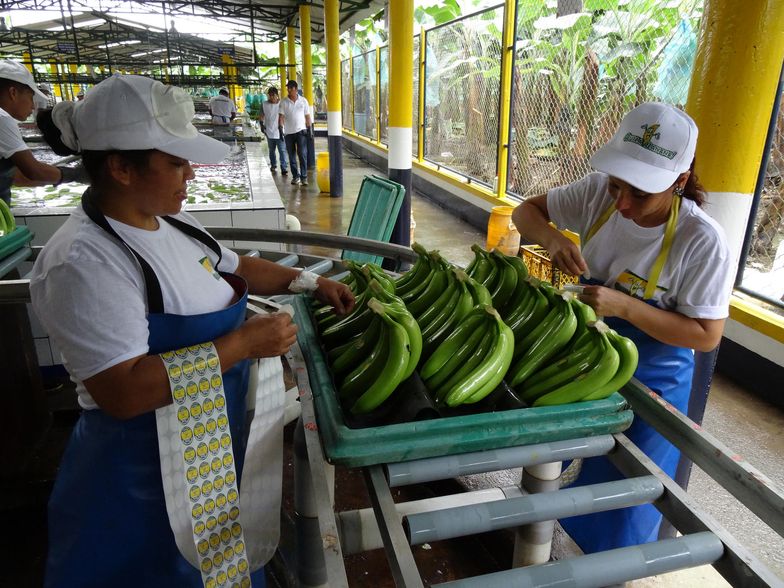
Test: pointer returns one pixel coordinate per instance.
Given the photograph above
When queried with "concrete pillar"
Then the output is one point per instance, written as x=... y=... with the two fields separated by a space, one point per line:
x=307 y=76
x=731 y=97
x=401 y=47
x=334 y=102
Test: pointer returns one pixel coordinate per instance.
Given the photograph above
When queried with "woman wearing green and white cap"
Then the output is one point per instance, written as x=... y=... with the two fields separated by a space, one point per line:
x=655 y=266
x=139 y=299
x=19 y=96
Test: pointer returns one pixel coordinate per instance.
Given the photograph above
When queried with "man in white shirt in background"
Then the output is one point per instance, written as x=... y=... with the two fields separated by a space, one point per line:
x=223 y=111
x=269 y=117
x=295 y=119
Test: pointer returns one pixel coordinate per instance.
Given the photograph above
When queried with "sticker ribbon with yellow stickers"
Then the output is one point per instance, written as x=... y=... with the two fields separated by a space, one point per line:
x=210 y=478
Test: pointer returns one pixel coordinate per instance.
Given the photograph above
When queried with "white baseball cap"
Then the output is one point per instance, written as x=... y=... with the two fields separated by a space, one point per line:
x=653 y=145
x=13 y=70
x=127 y=112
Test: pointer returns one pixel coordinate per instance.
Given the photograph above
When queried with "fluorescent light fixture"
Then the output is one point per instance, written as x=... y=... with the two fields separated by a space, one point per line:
x=119 y=43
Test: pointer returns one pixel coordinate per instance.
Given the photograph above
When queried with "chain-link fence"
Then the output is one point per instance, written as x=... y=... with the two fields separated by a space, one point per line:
x=576 y=75
x=345 y=83
x=417 y=89
x=764 y=270
x=319 y=92
x=462 y=94
x=364 y=74
x=383 y=94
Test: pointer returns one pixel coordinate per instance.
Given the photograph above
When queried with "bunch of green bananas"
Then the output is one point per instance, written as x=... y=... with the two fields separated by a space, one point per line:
x=370 y=367
x=499 y=273
x=600 y=363
x=545 y=339
x=472 y=359
x=7 y=220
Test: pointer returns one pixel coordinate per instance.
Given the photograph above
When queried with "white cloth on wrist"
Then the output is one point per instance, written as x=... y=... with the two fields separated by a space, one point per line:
x=305 y=282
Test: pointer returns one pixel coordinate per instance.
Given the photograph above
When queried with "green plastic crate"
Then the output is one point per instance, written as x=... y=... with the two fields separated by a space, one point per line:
x=446 y=435
x=375 y=214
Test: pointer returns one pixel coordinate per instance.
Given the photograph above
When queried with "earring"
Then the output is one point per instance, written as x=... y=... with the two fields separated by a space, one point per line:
x=677 y=191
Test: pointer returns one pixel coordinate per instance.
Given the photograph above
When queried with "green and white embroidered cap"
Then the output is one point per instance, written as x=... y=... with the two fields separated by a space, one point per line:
x=653 y=145
x=128 y=112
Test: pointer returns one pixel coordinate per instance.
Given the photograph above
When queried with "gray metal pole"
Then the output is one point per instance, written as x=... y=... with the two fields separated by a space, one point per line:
x=608 y=567
x=451 y=466
x=545 y=506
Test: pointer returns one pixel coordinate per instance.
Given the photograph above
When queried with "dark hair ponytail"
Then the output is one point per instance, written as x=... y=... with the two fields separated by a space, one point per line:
x=693 y=190
x=51 y=133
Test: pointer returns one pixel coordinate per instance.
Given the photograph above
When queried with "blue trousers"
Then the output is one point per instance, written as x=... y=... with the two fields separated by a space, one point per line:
x=278 y=145
x=298 y=142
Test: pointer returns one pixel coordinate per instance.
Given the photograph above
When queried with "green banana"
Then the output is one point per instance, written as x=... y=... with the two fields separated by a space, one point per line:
x=364 y=374
x=628 y=356
x=532 y=316
x=414 y=275
x=355 y=322
x=549 y=342
x=379 y=292
x=372 y=271
x=474 y=360
x=8 y=220
x=490 y=372
x=557 y=367
x=402 y=316
x=444 y=313
x=519 y=265
x=479 y=293
x=434 y=335
x=492 y=278
x=394 y=369
x=581 y=364
x=357 y=349
x=433 y=309
x=416 y=289
x=518 y=302
x=554 y=316
x=507 y=280
x=453 y=344
x=439 y=280
x=587 y=383
x=481 y=266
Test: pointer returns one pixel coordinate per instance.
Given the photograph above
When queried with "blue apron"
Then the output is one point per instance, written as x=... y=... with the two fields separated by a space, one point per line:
x=667 y=370
x=108 y=524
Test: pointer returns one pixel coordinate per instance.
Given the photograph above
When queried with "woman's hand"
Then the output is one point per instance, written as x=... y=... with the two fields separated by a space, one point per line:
x=268 y=335
x=336 y=294
x=606 y=301
x=566 y=255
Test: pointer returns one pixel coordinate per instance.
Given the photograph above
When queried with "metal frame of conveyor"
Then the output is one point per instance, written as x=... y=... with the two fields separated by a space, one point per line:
x=324 y=536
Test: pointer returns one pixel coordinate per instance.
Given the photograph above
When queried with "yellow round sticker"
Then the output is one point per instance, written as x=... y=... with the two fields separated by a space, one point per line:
x=236 y=530
x=194 y=492
x=195 y=410
x=220 y=401
x=231 y=477
x=221 y=577
x=202 y=546
x=209 y=506
x=192 y=389
x=212 y=361
x=239 y=549
x=217 y=382
x=214 y=445
x=211 y=583
x=178 y=394
x=211 y=426
x=245 y=582
x=168 y=356
x=182 y=352
x=191 y=474
x=220 y=500
x=232 y=569
x=202 y=450
x=232 y=495
x=187 y=368
x=198 y=528
x=228 y=460
x=225 y=535
x=186 y=435
x=206 y=346
x=234 y=513
x=206 y=488
x=183 y=415
x=204 y=470
x=194 y=349
x=217 y=483
x=228 y=553
x=204 y=385
x=217 y=560
x=214 y=540
x=198 y=431
x=206 y=565
x=223 y=422
x=175 y=373
x=197 y=511
x=212 y=522
x=208 y=406
x=215 y=464
x=190 y=455
x=223 y=518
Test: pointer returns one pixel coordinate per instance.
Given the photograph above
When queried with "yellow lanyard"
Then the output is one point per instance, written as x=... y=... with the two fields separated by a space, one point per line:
x=669 y=233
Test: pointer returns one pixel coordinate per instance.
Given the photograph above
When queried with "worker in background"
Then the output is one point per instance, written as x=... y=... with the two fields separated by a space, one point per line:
x=656 y=267
x=80 y=95
x=269 y=125
x=297 y=127
x=46 y=90
x=19 y=96
x=222 y=108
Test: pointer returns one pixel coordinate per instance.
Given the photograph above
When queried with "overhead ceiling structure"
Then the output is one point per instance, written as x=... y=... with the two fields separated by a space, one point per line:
x=108 y=34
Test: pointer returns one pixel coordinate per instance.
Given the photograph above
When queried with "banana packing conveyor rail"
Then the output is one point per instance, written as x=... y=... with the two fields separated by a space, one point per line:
x=326 y=536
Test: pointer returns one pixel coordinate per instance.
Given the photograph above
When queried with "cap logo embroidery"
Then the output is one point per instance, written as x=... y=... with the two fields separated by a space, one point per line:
x=649 y=133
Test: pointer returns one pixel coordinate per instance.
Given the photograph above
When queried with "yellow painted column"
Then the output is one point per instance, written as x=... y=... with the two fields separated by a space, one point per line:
x=235 y=91
x=290 y=40
x=334 y=99
x=420 y=154
x=282 y=68
x=307 y=67
x=507 y=62
x=55 y=71
x=74 y=87
x=731 y=97
x=401 y=70
x=28 y=61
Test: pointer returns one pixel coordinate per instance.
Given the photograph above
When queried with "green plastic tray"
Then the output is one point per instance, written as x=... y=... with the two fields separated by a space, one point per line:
x=448 y=435
x=16 y=239
x=375 y=214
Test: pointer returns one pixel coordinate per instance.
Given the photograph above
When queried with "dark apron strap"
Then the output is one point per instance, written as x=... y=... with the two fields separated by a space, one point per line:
x=151 y=282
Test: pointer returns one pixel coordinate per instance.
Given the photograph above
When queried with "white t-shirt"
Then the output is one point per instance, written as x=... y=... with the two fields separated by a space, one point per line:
x=271 y=111
x=89 y=293
x=695 y=279
x=222 y=108
x=294 y=114
x=10 y=136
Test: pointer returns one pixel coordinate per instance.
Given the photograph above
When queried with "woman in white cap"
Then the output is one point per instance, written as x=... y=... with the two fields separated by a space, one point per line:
x=657 y=268
x=19 y=96
x=149 y=314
